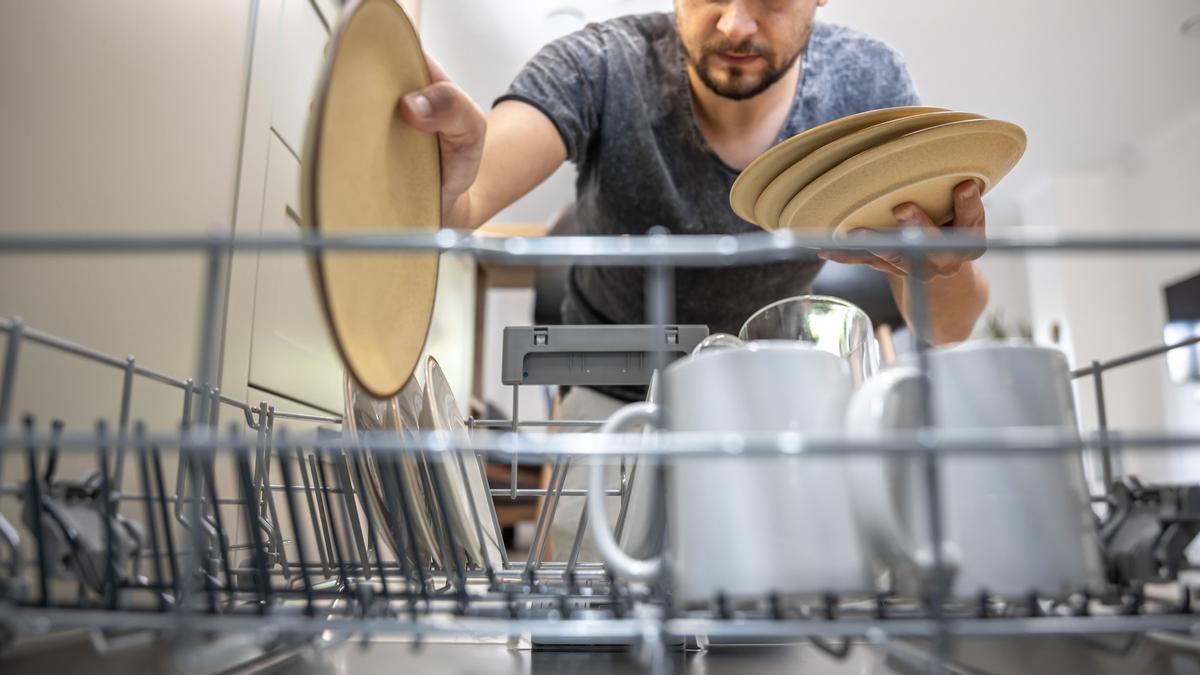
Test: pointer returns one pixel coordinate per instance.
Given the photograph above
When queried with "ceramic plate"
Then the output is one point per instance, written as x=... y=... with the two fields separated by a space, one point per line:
x=755 y=178
x=367 y=172
x=390 y=477
x=793 y=179
x=467 y=498
x=922 y=167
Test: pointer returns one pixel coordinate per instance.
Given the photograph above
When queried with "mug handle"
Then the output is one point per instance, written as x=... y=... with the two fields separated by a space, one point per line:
x=620 y=562
x=872 y=413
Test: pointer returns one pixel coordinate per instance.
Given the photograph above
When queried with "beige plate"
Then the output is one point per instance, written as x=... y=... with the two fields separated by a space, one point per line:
x=781 y=190
x=366 y=171
x=922 y=167
x=467 y=497
x=750 y=184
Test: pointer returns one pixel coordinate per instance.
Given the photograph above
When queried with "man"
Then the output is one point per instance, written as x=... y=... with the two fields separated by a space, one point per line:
x=660 y=112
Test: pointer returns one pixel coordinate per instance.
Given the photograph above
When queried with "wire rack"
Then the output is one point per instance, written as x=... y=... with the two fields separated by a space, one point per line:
x=248 y=529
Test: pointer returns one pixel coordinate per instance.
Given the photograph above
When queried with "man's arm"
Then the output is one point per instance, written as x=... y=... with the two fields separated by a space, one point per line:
x=954 y=303
x=488 y=162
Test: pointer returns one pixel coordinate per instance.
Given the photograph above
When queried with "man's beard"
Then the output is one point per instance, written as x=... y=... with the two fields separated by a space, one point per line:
x=737 y=85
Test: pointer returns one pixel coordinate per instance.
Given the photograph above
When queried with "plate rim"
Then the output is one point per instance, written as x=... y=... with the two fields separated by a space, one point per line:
x=846 y=140
x=903 y=144
x=788 y=144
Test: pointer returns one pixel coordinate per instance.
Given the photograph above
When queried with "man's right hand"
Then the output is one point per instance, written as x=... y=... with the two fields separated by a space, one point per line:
x=445 y=109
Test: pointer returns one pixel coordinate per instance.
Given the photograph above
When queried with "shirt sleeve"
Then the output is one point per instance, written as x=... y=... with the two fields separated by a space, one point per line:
x=565 y=81
x=895 y=86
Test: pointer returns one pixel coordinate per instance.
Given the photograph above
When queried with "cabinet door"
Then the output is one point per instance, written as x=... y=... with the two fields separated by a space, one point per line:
x=291 y=351
x=301 y=53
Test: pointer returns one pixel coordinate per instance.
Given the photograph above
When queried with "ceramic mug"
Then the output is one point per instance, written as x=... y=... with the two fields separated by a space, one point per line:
x=747 y=527
x=1013 y=522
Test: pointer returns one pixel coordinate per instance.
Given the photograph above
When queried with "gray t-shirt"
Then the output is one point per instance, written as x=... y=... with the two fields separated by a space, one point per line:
x=618 y=92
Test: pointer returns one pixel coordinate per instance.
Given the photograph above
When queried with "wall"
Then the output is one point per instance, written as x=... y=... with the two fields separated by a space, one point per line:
x=1111 y=304
x=117 y=116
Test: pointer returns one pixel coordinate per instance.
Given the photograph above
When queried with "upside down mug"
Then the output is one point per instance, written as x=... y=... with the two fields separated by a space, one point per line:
x=746 y=527
x=1014 y=522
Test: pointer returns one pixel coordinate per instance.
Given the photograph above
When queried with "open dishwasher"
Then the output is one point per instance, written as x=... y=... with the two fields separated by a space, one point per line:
x=233 y=547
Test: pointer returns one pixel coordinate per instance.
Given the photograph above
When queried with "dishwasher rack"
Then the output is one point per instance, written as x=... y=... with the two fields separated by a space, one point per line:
x=252 y=530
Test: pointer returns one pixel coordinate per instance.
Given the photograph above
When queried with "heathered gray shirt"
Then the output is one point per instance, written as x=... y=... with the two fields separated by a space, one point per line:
x=618 y=92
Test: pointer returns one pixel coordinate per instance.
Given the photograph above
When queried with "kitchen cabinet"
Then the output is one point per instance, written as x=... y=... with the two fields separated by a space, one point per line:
x=276 y=338
x=291 y=351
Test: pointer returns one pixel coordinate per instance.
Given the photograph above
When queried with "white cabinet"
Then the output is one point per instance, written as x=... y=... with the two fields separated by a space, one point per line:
x=291 y=351
x=276 y=338
x=302 y=39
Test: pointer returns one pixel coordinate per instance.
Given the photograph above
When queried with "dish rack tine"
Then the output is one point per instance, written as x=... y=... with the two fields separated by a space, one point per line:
x=8 y=377
x=118 y=473
x=627 y=480
x=540 y=525
x=263 y=490
x=168 y=534
x=339 y=554
x=491 y=503
x=349 y=491
x=372 y=536
x=573 y=559
x=285 y=472
x=477 y=520
x=558 y=478
x=316 y=510
x=222 y=534
x=258 y=550
x=143 y=456
x=408 y=518
x=34 y=495
x=106 y=512
x=441 y=523
x=455 y=554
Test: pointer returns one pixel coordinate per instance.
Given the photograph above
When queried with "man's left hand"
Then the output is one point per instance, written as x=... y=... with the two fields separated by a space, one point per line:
x=969 y=218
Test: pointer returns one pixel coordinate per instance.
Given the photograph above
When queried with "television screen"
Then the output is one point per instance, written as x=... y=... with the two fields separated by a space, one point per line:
x=1183 y=322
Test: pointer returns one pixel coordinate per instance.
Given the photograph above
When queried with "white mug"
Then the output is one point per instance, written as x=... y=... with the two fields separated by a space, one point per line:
x=1013 y=522
x=747 y=527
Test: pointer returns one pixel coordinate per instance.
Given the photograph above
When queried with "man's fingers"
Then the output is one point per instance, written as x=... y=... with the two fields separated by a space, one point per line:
x=445 y=109
x=969 y=214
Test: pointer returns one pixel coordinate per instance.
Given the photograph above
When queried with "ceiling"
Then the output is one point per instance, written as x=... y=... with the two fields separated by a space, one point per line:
x=1088 y=79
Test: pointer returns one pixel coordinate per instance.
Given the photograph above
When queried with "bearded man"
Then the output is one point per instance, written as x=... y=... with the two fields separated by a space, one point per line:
x=659 y=113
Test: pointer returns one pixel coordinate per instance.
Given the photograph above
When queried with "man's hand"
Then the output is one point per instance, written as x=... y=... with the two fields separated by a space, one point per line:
x=969 y=218
x=956 y=291
x=445 y=109
x=487 y=162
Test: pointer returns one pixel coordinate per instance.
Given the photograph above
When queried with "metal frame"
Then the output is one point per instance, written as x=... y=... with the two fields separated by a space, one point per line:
x=197 y=577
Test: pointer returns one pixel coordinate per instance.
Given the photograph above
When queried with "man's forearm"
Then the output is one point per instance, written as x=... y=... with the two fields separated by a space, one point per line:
x=954 y=303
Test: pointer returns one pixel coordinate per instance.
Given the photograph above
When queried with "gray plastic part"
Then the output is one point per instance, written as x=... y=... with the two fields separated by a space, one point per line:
x=592 y=355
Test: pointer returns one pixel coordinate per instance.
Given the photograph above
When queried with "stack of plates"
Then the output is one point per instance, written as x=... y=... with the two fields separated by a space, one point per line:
x=851 y=172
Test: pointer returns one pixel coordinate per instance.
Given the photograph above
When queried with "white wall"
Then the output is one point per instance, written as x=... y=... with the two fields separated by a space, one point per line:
x=116 y=116
x=1110 y=304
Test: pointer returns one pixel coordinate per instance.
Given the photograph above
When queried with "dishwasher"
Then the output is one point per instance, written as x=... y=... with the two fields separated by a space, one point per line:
x=224 y=545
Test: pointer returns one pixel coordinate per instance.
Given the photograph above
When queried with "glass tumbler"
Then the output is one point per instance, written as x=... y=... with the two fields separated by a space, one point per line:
x=831 y=324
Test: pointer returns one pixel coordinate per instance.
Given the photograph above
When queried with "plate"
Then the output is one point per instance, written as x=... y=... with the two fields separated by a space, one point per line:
x=750 y=184
x=468 y=499
x=922 y=167
x=793 y=179
x=368 y=172
x=390 y=477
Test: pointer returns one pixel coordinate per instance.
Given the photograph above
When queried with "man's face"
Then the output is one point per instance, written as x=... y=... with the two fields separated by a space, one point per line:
x=739 y=48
